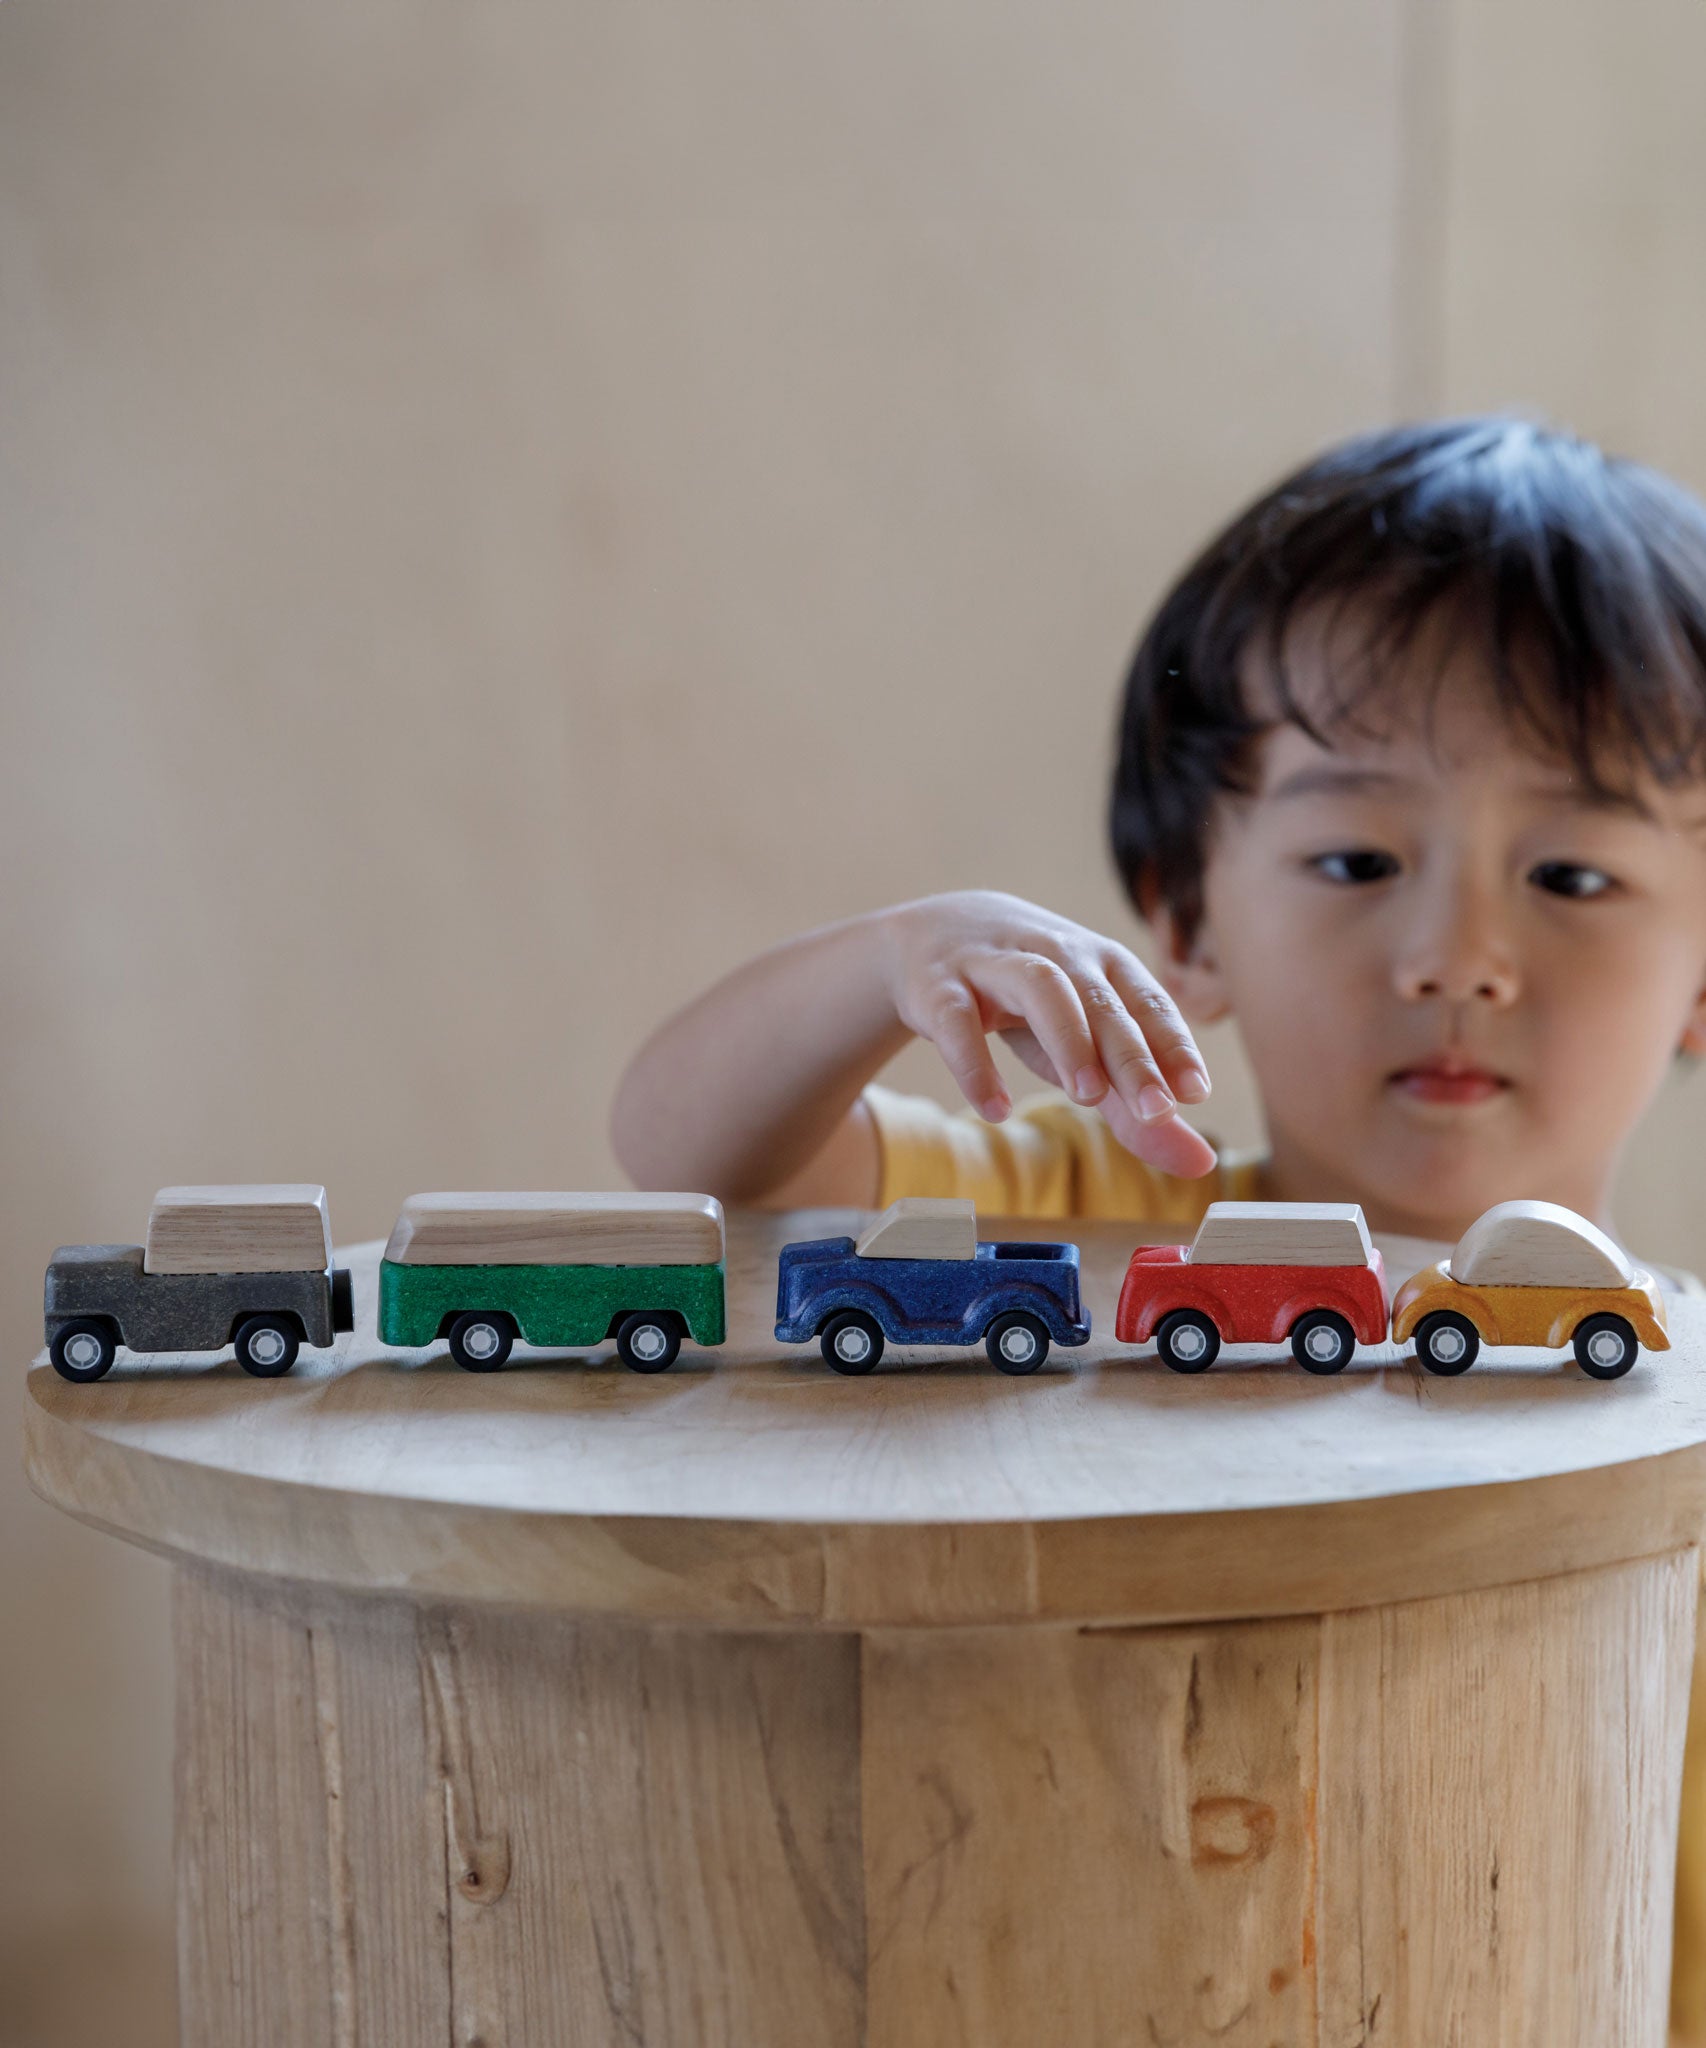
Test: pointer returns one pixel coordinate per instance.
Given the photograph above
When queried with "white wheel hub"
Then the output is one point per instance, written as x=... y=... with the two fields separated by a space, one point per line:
x=480 y=1340
x=852 y=1344
x=266 y=1347
x=1605 y=1347
x=1447 y=1345
x=648 y=1341
x=83 y=1351
x=1018 y=1344
x=1322 y=1343
x=1189 y=1342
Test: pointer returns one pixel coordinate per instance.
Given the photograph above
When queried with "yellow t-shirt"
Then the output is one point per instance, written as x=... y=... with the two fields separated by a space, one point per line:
x=1051 y=1158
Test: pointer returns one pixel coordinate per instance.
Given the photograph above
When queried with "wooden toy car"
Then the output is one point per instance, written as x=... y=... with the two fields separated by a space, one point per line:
x=1297 y=1273
x=245 y=1266
x=919 y=1276
x=552 y=1269
x=1532 y=1273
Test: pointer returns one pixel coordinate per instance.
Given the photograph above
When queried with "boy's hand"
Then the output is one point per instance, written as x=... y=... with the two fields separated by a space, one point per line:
x=1079 y=1010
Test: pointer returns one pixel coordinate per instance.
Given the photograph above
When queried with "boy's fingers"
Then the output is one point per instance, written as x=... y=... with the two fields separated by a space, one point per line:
x=1124 y=1051
x=1030 y=987
x=1171 y=1144
x=1164 y=1029
x=1021 y=1041
x=955 y=1027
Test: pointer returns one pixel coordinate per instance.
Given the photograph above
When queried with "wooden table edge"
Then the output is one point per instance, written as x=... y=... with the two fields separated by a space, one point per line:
x=1129 y=1570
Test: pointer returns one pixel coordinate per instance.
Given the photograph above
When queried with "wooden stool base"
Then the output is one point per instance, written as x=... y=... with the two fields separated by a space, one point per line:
x=404 y=1822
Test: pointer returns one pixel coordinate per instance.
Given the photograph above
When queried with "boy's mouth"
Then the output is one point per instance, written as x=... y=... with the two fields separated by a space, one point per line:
x=1449 y=1078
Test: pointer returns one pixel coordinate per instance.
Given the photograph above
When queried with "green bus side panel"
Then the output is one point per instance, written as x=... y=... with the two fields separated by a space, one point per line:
x=552 y=1305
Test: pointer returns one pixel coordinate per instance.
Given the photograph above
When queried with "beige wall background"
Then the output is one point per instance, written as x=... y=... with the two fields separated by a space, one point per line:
x=505 y=510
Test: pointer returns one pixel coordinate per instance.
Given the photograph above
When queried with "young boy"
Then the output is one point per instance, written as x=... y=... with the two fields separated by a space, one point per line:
x=1411 y=781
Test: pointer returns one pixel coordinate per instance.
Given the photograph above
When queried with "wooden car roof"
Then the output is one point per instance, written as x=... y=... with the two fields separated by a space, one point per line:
x=1282 y=1234
x=1538 y=1244
x=540 y=1229
x=253 y=1227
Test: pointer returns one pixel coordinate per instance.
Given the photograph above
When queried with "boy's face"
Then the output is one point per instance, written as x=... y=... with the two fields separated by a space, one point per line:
x=1459 y=977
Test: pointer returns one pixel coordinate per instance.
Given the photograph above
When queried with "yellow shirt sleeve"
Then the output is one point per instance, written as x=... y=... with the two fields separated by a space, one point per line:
x=1051 y=1158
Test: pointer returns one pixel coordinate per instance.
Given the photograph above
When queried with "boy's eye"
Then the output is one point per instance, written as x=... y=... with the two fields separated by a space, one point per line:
x=1570 y=878
x=1358 y=864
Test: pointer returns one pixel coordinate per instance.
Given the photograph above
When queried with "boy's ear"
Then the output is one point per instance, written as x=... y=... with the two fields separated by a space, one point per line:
x=1189 y=968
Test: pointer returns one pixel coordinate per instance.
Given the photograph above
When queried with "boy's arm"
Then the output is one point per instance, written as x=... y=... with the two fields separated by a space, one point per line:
x=750 y=1083
x=752 y=1091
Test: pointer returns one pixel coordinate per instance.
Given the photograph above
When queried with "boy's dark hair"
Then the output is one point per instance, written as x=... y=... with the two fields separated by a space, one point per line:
x=1583 y=578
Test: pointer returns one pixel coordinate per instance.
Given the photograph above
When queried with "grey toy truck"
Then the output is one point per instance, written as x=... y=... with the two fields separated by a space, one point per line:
x=249 y=1266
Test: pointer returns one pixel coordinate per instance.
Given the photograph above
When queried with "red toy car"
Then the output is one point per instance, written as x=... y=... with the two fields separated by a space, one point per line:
x=1303 y=1273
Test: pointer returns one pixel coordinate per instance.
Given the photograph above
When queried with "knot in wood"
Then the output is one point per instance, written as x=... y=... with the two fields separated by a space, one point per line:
x=484 y=1876
x=1226 y=1829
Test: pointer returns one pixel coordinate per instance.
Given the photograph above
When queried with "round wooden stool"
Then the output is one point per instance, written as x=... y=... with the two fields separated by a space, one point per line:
x=750 y=1705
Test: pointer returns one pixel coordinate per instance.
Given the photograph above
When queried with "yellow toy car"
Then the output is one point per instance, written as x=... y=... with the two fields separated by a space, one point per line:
x=1532 y=1273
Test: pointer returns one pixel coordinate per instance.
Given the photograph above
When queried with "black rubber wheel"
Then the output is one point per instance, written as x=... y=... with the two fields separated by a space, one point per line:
x=1016 y=1342
x=481 y=1339
x=1605 y=1346
x=648 y=1341
x=1188 y=1340
x=1323 y=1342
x=852 y=1341
x=267 y=1345
x=83 y=1351
x=1446 y=1342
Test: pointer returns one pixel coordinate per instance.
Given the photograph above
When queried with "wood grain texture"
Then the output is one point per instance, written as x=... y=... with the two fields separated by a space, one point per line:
x=1502 y=1840
x=1083 y=1837
x=257 y=1227
x=1389 y=1825
x=1442 y=1821
x=1688 y=1970
x=249 y=1771
x=533 y=1229
x=756 y=1488
x=1282 y=1233
x=401 y=1825
x=921 y=1227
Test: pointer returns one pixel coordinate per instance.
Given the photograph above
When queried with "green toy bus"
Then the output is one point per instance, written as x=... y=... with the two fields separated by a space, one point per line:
x=483 y=1270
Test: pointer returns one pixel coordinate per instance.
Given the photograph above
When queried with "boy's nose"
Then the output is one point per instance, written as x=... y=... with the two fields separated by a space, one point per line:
x=1455 y=951
x=1461 y=977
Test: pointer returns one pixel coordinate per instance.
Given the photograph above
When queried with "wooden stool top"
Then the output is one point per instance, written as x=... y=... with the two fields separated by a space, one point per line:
x=750 y=1486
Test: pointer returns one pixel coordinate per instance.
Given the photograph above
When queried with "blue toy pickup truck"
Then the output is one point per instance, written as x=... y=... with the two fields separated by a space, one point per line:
x=919 y=1276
